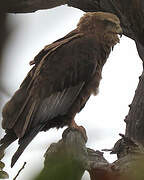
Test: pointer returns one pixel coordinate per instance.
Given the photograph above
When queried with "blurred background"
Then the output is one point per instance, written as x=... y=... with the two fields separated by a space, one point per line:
x=103 y=115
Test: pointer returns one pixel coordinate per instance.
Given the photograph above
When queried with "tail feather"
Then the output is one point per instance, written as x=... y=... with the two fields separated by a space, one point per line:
x=24 y=143
x=9 y=138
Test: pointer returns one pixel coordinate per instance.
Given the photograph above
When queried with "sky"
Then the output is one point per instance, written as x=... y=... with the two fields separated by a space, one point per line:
x=103 y=115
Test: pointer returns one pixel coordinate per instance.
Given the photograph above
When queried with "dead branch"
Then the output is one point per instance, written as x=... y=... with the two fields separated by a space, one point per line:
x=69 y=158
x=16 y=6
x=20 y=171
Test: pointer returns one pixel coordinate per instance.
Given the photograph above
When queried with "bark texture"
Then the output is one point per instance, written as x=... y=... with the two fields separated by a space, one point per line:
x=135 y=118
x=69 y=158
x=29 y=6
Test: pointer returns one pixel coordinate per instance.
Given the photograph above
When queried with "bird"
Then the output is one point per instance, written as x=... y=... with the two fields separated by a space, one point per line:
x=63 y=76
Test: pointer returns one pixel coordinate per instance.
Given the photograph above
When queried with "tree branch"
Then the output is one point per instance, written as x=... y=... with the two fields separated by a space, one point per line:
x=135 y=118
x=19 y=171
x=29 y=6
x=69 y=158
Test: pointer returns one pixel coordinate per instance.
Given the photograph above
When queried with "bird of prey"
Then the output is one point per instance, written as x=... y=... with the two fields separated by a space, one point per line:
x=63 y=77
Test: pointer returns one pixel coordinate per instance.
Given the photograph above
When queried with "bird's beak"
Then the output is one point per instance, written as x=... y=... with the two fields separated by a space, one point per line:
x=119 y=30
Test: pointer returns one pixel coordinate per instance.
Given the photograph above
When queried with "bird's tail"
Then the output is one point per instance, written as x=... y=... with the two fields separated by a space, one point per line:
x=23 y=143
x=9 y=138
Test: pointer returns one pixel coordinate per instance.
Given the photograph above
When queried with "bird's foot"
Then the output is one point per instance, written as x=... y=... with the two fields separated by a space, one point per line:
x=79 y=128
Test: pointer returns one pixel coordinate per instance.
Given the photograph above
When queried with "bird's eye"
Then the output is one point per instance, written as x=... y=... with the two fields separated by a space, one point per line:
x=107 y=22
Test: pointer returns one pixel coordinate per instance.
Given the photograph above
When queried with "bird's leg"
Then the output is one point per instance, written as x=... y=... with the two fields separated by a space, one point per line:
x=79 y=128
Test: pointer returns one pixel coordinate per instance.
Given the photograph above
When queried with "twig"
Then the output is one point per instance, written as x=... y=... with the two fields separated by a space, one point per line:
x=19 y=171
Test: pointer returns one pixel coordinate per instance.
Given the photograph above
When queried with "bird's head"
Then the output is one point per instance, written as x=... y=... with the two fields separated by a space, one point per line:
x=101 y=24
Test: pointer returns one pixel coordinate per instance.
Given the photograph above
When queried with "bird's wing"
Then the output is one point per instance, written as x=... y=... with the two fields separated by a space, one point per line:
x=53 y=86
x=50 y=89
x=51 y=47
x=14 y=107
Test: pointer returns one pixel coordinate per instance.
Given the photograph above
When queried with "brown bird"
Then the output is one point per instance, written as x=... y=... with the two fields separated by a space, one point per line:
x=64 y=75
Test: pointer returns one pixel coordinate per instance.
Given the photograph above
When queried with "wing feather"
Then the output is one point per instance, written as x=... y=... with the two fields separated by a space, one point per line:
x=57 y=104
x=52 y=86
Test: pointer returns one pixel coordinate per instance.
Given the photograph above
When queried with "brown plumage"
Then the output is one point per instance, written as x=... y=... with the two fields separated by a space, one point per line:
x=64 y=75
